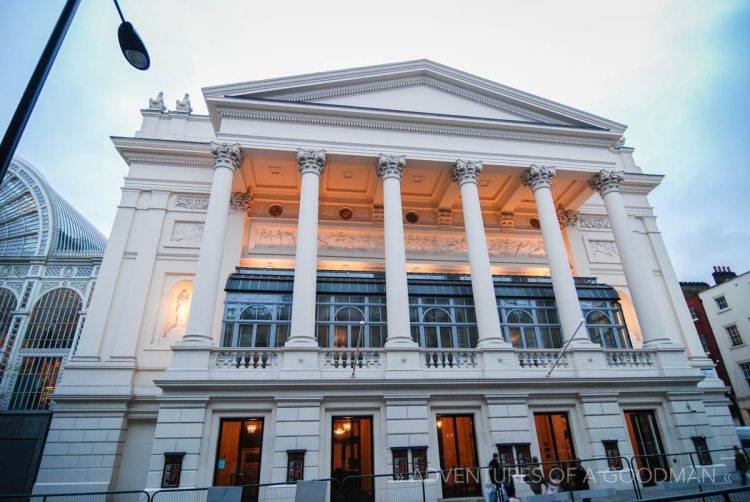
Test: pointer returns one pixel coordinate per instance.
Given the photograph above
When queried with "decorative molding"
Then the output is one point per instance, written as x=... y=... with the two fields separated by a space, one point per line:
x=567 y=217
x=242 y=201
x=507 y=221
x=607 y=181
x=226 y=155
x=390 y=166
x=602 y=251
x=311 y=161
x=537 y=177
x=378 y=213
x=169 y=160
x=279 y=238
x=445 y=217
x=594 y=222
x=13 y=286
x=187 y=232
x=400 y=127
x=466 y=171
x=191 y=202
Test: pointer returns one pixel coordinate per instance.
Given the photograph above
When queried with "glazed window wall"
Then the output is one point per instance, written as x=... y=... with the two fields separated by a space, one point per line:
x=351 y=311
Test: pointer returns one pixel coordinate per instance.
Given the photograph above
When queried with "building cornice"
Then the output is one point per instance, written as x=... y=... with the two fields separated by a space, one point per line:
x=163 y=152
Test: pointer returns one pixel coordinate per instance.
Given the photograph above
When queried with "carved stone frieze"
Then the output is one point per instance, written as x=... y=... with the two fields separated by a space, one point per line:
x=567 y=217
x=607 y=181
x=537 y=177
x=391 y=166
x=265 y=238
x=603 y=249
x=378 y=213
x=466 y=171
x=311 y=161
x=507 y=221
x=192 y=202
x=226 y=155
x=187 y=232
x=593 y=222
x=445 y=217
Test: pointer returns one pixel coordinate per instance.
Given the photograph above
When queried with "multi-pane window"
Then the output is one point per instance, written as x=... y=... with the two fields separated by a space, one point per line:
x=693 y=314
x=530 y=323
x=605 y=324
x=19 y=219
x=46 y=345
x=7 y=306
x=734 y=335
x=348 y=321
x=262 y=322
x=745 y=368
x=704 y=343
x=443 y=323
x=721 y=302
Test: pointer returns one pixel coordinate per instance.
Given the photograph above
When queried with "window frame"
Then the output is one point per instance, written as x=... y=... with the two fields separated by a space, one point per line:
x=734 y=335
x=463 y=334
x=719 y=300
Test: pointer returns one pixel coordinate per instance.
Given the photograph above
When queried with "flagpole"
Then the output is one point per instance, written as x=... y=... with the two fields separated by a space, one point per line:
x=356 y=351
x=565 y=348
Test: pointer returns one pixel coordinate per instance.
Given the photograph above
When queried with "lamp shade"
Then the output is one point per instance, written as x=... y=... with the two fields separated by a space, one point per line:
x=132 y=46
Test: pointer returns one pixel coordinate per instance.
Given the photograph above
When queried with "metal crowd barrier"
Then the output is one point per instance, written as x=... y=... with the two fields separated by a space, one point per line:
x=124 y=496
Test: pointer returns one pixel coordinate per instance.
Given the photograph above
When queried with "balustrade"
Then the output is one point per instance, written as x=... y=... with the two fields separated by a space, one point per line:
x=629 y=358
x=434 y=358
x=348 y=358
x=543 y=358
x=245 y=358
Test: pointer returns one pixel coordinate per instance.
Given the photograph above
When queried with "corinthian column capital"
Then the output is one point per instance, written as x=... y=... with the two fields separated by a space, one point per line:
x=466 y=171
x=226 y=155
x=311 y=161
x=242 y=201
x=607 y=181
x=391 y=166
x=537 y=177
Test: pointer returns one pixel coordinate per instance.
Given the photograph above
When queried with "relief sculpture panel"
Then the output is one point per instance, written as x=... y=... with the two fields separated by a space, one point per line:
x=281 y=238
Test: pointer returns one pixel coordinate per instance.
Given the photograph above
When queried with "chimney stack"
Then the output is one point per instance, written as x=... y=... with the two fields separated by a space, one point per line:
x=723 y=274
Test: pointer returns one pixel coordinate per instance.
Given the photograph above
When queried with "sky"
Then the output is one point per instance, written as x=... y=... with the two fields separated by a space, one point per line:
x=677 y=72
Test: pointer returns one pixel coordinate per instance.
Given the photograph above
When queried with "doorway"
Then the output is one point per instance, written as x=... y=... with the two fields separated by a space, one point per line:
x=352 y=459
x=555 y=441
x=649 y=450
x=238 y=457
x=458 y=456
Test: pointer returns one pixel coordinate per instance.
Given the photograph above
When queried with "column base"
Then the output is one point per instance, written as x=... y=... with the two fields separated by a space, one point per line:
x=195 y=340
x=494 y=343
x=302 y=341
x=661 y=343
x=401 y=342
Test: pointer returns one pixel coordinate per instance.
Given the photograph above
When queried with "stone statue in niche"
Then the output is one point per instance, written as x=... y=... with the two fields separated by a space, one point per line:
x=181 y=312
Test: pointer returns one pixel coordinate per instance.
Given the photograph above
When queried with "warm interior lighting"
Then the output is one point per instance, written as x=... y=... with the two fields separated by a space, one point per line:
x=439 y=423
x=347 y=426
x=251 y=426
x=339 y=431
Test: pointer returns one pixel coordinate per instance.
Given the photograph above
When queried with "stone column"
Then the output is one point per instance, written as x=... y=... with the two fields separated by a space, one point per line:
x=636 y=268
x=539 y=179
x=311 y=164
x=390 y=168
x=227 y=159
x=466 y=174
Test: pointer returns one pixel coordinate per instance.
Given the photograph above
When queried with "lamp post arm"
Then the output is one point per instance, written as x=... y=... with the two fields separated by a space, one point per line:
x=21 y=117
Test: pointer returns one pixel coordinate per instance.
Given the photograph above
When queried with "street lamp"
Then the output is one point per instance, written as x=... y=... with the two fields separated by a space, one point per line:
x=132 y=48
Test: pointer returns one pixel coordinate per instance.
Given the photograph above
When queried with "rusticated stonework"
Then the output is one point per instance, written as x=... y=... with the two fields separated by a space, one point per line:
x=311 y=161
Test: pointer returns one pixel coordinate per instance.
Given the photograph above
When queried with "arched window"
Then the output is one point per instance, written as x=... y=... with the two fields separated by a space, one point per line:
x=530 y=323
x=8 y=304
x=347 y=330
x=260 y=321
x=443 y=322
x=521 y=330
x=54 y=320
x=438 y=332
x=601 y=330
x=258 y=332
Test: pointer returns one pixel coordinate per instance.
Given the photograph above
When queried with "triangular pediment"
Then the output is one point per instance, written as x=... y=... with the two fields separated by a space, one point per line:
x=422 y=87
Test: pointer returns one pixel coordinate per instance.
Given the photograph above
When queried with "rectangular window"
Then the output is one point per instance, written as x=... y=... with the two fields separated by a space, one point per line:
x=515 y=454
x=745 y=368
x=701 y=448
x=295 y=465
x=704 y=342
x=400 y=463
x=35 y=382
x=693 y=314
x=721 y=302
x=612 y=450
x=734 y=335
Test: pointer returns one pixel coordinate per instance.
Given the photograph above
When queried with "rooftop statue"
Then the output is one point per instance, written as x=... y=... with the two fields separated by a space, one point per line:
x=184 y=104
x=157 y=103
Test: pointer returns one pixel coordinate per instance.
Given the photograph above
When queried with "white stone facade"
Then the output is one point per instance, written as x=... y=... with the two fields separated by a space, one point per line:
x=407 y=169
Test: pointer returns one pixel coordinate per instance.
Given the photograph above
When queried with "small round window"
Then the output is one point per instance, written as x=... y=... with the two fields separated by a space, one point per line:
x=534 y=222
x=346 y=213
x=275 y=210
x=412 y=216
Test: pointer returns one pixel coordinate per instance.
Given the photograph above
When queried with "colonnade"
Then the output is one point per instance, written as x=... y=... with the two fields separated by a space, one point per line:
x=311 y=165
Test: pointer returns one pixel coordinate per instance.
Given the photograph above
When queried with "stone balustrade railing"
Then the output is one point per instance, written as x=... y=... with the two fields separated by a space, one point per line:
x=627 y=358
x=450 y=359
x=541 y=358
x=245 y=358
x=348 y=358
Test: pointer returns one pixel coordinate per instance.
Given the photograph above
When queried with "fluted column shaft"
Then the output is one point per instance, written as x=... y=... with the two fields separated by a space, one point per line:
x=311 y=164
x=227 y=159
x=466 y=174
x=636 y=269
x=390 y=169
x=539 y=179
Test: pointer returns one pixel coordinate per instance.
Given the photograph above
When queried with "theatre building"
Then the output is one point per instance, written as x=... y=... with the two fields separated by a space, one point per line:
x=374 y=270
